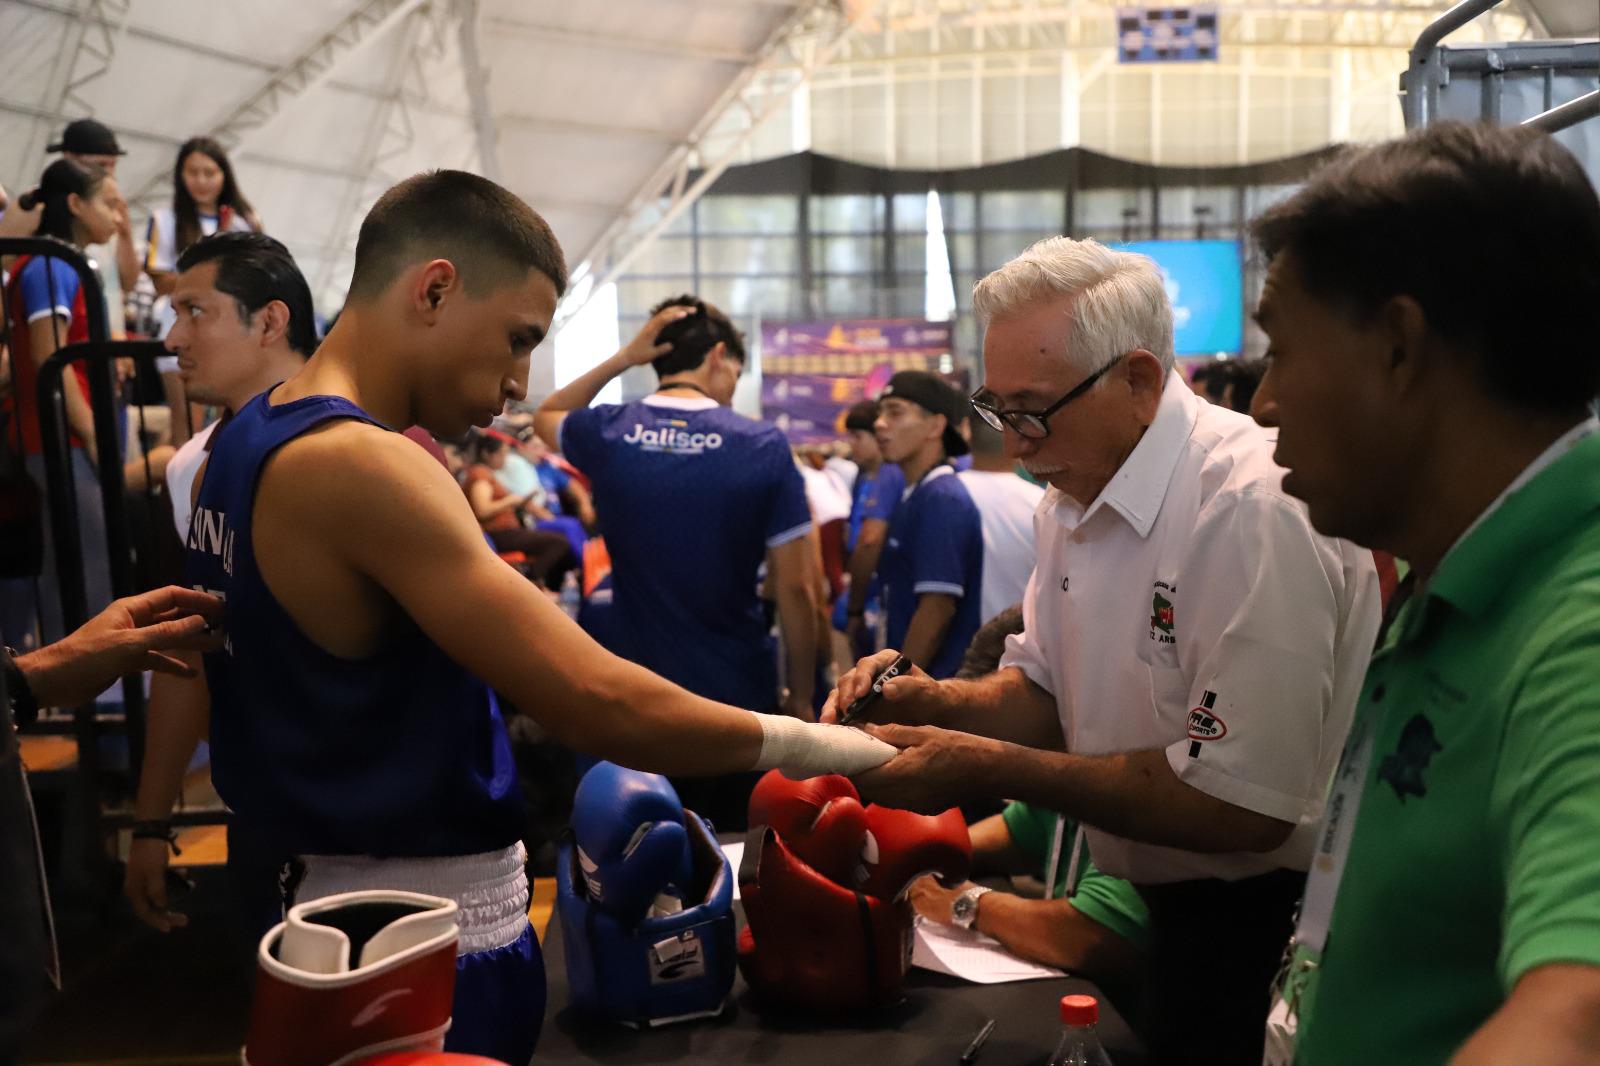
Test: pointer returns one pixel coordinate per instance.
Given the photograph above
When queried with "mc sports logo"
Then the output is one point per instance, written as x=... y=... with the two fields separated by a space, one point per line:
x=672 y=435
x=1205 y=725
x=1161 y=614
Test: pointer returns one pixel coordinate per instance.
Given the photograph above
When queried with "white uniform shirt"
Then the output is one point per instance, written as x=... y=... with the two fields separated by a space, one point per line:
x=1192 y=608
x=1006 y=503
x=181 y=471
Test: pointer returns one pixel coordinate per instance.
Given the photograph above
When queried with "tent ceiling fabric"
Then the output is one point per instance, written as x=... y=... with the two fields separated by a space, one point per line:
x=589 y=99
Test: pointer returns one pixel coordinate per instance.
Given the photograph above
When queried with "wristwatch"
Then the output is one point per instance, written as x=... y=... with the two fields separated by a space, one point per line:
x=964 y=911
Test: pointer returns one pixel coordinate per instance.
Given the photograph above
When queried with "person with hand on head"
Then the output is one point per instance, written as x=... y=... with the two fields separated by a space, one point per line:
x=1432 y=305
x=244 y=323
x=145 y=632
x=695 y=497
x=355 y=728
x=1193 y=649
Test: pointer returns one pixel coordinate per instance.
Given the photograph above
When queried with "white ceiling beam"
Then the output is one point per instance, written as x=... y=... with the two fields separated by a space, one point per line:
x=648 y=46
x=534 y=123
x=476 y=76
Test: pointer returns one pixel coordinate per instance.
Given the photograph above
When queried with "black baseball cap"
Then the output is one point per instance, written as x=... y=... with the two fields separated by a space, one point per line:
x=88 y=137
x=930 y=392
x=862 y=416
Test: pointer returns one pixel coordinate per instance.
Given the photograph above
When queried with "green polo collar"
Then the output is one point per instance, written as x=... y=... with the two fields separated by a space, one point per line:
x=1535 y=516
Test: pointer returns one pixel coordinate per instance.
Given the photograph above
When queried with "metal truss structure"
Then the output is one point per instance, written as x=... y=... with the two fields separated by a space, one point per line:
x=314 y=66
x=807 y=41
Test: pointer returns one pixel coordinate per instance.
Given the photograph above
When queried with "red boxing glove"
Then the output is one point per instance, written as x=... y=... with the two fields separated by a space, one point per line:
x=820 y=819
x=902 y=846
x=813 y=944
x=429 y=1058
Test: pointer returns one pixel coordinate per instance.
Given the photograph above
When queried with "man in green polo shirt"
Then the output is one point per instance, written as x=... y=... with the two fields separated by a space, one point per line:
x=1433 y=306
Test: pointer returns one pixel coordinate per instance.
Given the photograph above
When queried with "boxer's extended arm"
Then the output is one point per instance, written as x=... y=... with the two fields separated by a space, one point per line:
x=386 y=512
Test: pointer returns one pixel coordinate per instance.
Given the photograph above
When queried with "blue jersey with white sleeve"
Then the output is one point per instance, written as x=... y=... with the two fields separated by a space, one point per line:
x=690 y=495
x=875 y=495
x=934 y=545
x=400 y=754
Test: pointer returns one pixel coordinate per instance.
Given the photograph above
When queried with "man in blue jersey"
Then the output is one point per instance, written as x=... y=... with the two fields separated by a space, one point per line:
x=354 y=727
x=877 y=492
x=932 y=561
x=693 y=498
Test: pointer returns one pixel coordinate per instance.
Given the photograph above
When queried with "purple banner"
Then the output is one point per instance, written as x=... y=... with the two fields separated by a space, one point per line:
x=813 y=372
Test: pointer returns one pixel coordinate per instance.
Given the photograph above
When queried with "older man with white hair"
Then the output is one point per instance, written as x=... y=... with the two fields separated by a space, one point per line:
x=1193 y=648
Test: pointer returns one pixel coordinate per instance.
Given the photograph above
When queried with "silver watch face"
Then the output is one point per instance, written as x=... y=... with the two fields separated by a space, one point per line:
x=964 y=910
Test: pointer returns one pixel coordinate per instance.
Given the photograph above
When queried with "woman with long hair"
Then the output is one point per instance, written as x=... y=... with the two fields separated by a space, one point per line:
x=206 y=199
x=46 y=311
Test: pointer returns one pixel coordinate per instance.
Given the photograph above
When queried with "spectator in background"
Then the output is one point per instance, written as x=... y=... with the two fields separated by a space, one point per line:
x=1006 y=502
x=46 y=312
x=694 y=498
x=1241 y=379
x=548 y=556
x=206 y=199
x=244 y=323
x=830 y=511
x=90 y=142
x=551 y=491
x=876 y=494
x=932 y=562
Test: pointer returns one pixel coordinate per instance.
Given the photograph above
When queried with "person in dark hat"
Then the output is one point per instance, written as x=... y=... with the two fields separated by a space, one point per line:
x=932 y=560
x=92 y=142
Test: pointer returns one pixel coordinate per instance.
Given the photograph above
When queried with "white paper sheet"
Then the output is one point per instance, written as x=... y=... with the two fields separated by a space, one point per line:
x=735 y=853
x=971 y=956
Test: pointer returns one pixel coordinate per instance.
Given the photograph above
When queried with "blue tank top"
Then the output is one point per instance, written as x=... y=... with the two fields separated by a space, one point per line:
x=402 y=753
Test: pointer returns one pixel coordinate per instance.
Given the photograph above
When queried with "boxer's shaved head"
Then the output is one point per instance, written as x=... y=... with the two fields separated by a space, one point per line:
x=491 y=236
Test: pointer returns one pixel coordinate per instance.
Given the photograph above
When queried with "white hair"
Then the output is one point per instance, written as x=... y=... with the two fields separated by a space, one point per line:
x=1118 y=300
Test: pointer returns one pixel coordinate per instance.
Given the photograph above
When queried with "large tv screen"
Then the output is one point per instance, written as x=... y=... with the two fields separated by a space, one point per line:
x=1206 y=286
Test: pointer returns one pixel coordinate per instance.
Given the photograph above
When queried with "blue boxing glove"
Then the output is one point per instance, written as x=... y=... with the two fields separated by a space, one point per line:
x=632 y=845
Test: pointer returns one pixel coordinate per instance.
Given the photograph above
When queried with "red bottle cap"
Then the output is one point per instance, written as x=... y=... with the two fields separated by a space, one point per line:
x=1079 y=1010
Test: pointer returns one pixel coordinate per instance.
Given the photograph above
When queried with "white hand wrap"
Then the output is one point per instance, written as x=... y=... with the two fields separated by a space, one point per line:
x=802 y=749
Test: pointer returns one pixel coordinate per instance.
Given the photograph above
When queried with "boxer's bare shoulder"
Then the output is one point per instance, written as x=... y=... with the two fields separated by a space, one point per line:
x=338 y=507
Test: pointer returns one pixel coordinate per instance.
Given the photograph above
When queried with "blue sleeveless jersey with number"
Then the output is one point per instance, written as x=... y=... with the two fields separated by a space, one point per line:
x=402 y=753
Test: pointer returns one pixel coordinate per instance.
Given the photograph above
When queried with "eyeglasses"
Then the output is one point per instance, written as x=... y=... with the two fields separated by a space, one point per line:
x=1034 y=425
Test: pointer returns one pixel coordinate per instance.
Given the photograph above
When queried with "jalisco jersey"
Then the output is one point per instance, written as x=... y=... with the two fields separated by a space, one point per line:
x=1192 y=608
x=1474 y=855
x=402 y=753
x=934 y=545
x=690 y=495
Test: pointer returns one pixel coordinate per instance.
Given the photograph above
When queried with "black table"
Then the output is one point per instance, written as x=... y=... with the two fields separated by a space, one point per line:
x=935 y=1023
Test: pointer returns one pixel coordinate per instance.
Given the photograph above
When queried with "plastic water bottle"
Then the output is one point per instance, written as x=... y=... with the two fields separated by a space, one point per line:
x=571 y=594
x=1079 y=1044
